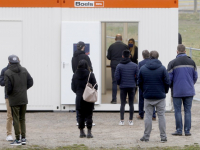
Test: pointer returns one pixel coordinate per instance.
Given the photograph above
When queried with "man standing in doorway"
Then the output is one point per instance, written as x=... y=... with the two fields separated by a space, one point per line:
x=17 y=82
x=154 y=81
x=115 y=55
x=9 y=113
x=183 y=75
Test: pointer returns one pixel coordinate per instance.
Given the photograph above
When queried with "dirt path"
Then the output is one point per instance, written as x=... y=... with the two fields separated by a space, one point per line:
x=59 y=129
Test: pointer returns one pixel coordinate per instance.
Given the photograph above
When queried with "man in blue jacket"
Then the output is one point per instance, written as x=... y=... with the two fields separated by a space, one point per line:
x=126 y=77
x=183 y=75
x=153 y=79
x=9 y=114
x=145 y=54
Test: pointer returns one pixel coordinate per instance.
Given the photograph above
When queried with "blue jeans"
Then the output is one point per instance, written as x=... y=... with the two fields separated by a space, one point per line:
x=114 y=84
x=141 y=105
x=187 y=103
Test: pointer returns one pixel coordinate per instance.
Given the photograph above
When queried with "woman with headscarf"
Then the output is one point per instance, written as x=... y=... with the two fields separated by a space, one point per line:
x=134 y=50
x=85 y=109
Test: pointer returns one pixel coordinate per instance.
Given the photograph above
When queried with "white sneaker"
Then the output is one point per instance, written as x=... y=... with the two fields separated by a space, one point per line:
x=121 y=123
x=77 y=123
x=130 y=122
x=9 y=138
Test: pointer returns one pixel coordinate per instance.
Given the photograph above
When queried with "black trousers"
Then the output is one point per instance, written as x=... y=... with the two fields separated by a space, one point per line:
x=123 y=95
x=85 y=115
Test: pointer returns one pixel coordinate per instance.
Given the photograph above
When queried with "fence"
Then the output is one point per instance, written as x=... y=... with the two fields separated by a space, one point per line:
x=189 y=5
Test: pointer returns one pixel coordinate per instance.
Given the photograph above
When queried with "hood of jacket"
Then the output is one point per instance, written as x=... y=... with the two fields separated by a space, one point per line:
x=153 y=64
x=78 y=52
x=82 y=73
x=125 y=60
x=14 y=67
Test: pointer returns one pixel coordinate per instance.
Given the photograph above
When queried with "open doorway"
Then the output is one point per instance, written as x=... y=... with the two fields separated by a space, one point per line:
x=128 y=30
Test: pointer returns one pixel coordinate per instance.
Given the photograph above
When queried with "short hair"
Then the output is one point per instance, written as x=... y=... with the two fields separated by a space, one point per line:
x=145 y=53
x=126 y=53
x=154 y=54
x=181 y=48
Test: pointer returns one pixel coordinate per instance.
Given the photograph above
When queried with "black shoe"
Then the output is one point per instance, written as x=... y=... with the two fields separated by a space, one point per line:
x=164 y=140
x=177 y=134
x=143 y=139
x=89 y=134
x=82 y=133
x=113 y=102
x=23 y=141
x=16 y=142
x=188 y=134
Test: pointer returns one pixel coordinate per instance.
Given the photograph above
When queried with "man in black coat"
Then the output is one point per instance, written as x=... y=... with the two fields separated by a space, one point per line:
x=154 y=81
x=79 y=54
x=17 y=82
x=115 y=55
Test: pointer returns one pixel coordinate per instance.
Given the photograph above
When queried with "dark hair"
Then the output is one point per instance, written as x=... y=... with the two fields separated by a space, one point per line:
x=145 y=54
x=126 y=53
x=181 y=48
x=154 y=55
x=83 y=64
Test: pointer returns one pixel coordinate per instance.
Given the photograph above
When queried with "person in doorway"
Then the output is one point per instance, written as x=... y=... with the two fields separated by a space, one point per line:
x=153 y=80
x=85 y=109
x=145 y=54
x=115 y=55
x=134 y=50
x=17 y=82
x=183 y=75
x=79 y=54
x=126 y=75
x=9 y=113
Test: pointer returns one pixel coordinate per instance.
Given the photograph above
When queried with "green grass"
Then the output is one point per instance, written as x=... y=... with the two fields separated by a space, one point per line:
x=83 y=147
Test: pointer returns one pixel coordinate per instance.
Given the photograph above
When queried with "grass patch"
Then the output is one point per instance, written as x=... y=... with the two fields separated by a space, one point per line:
x=83 y=147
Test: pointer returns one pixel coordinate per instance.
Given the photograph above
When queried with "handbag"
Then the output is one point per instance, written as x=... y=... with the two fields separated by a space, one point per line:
x=90 y=94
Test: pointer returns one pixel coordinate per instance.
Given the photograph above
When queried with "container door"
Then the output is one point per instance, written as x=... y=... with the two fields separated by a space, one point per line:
x=71 y=34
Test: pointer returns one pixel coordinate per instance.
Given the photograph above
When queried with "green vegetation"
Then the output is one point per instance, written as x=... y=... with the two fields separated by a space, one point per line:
x=83 y=147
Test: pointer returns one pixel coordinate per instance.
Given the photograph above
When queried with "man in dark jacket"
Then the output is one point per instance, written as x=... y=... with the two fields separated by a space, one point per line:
x=126 y=75
x=154 y=81
x=145 y=54
x=79 y=54
x=17 y=82
x=115 y=55
x=9 y=113
x=183 y=75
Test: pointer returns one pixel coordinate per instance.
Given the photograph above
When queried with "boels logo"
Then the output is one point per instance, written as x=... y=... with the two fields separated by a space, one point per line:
x=89 y=4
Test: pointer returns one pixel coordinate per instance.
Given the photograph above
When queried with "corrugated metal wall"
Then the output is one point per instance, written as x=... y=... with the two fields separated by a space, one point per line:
x=40 y=53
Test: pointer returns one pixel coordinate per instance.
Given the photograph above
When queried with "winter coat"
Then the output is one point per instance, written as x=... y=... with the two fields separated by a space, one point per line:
x=134 y=58
x=17 y=82
x=153 y=80
x=183 y=75
x=115 y=53
x=79 y=55
x=143 y=62
x=2 y=82
x=126 y=73
x=78 y=84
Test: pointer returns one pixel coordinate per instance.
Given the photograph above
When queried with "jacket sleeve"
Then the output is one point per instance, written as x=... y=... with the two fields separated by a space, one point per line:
x=2 y=82
x=8 y=85
x=166 y=80
x=109 y=53
x=140 y=80
x=93 y=81
x=118 y=75
x=136 y=74
x=73 y=66
x=73 y=84
x=171 y=74
x=89 y=62
x=195 y=74
x=135 y=57
x=29 y=81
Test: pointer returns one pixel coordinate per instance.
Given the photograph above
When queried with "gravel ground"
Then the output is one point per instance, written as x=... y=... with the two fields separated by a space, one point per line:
x=56 y=129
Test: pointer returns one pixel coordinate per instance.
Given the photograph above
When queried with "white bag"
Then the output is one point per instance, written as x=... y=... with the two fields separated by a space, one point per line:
x=90 y=94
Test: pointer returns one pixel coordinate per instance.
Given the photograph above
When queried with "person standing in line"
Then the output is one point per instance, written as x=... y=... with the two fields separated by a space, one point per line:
x=17 y=82
x=145 y=54
x=85 y=109
x=78 y=55
x=134 y=50
x=9 y=113
x=126 y=75
x=115 y=55
x=153 y=80
x=183 y=75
